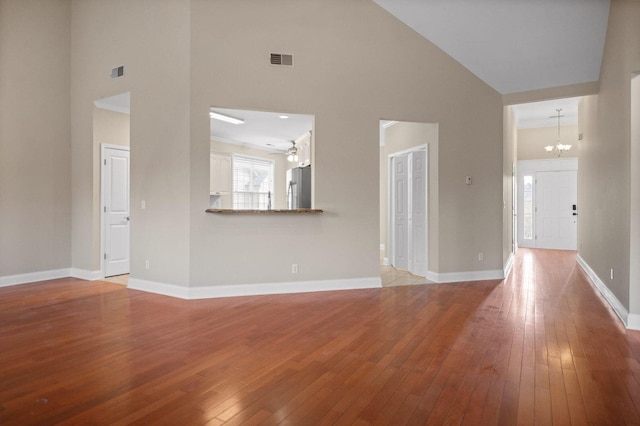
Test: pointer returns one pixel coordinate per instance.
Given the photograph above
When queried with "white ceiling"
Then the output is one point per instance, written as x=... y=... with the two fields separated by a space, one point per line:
x=118 y=103
x=265 y=130
x=544 y=114
x=514 y=45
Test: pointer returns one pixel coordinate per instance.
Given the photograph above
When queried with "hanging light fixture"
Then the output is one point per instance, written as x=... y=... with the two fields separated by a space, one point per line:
x=292 y=153
x=558 y=149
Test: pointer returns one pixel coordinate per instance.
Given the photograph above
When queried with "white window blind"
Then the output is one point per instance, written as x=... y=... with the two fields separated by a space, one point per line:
x=252 y=183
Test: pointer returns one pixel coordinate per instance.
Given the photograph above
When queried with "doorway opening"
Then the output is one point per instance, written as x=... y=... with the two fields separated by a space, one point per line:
x=546 y=174
x=111 y=139
x=404 y=202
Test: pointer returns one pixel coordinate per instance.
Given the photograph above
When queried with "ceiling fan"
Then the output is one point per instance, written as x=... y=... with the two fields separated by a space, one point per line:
x=291 y=153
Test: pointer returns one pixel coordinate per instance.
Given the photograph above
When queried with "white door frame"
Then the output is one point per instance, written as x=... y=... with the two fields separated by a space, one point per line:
x=391 y=210
x=514 y=208
x=103 y=221
x=530 y=168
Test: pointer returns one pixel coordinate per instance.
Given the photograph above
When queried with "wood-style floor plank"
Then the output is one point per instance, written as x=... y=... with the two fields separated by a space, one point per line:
x=538 y=348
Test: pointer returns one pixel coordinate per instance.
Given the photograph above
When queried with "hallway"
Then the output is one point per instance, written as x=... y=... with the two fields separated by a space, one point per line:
x=540 y=347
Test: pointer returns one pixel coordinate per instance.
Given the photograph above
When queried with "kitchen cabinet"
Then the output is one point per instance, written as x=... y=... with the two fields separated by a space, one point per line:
x=220 y=174
x=304 y=150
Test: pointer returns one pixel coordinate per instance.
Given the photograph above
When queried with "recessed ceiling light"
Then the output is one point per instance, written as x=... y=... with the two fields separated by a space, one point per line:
x=284 y=117
x=226 y=118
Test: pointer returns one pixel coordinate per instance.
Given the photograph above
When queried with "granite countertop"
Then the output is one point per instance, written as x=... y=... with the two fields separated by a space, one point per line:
x=272 y=211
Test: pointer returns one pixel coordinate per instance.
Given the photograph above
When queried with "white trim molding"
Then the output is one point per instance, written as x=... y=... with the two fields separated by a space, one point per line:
x=454 y=277
x=84 y=274
x=215 y=291
x=32 y=277
x=508 y=266
x=173 y=290
x=548 y=165
x=608 y=295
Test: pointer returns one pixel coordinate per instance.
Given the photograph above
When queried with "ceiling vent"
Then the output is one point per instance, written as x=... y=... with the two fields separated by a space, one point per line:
x=282 y=59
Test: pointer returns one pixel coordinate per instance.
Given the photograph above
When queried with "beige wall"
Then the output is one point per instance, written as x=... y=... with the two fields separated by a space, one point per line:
x=400 y=137
x=348 y=95
x=604 y=175
x=280 y=166
x=110 y=127
x=511 y=149
x=634 y=228
x=152 y=40
x=531 y=142
x=182 y=56
x=35 y=155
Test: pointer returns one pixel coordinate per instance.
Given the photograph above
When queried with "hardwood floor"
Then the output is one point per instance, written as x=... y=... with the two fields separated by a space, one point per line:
x=540 y=347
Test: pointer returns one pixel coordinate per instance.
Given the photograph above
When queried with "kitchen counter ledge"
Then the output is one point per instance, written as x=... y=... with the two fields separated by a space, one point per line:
x=272 y=211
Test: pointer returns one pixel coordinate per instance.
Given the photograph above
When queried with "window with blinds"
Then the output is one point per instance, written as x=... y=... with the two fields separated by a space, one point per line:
x=252 y=183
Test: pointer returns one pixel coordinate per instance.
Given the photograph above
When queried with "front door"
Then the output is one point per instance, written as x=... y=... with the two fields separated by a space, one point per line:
x=556 y=210
x=116 y=211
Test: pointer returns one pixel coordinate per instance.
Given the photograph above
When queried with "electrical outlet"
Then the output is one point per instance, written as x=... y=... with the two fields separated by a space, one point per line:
x=147 y=264
x=481 y=256
x=143 y=204
x=294 y=268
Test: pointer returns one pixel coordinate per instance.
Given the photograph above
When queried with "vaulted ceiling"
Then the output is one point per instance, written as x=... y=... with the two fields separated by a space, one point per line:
x=514 y=45
x=517 y=45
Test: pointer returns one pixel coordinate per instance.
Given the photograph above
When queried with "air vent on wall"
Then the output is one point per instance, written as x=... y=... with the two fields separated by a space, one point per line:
x=117 y=72
x=282 y=59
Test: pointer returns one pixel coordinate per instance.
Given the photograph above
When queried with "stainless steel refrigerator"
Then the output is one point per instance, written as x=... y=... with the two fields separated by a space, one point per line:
x=299 y=192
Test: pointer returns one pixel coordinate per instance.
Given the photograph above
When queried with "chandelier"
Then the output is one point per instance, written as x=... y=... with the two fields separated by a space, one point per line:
x=558 y=149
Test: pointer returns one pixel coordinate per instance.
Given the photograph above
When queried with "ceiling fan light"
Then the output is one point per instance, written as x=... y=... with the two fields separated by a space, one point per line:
x=549 y=148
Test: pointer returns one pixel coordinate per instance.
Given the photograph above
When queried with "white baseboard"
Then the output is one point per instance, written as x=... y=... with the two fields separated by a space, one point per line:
x=33 y=277
x=454 y=277
x=633 y=322
x=608 y=295
x=209 y=292
x=173 y=290
x=508 y=266
x=84 y=274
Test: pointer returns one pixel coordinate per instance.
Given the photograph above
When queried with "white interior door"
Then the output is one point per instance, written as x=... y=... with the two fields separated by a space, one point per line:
x=418 y=218
x=409 y=211
x=116 y=210
x=556 y=200
x=400 y=211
